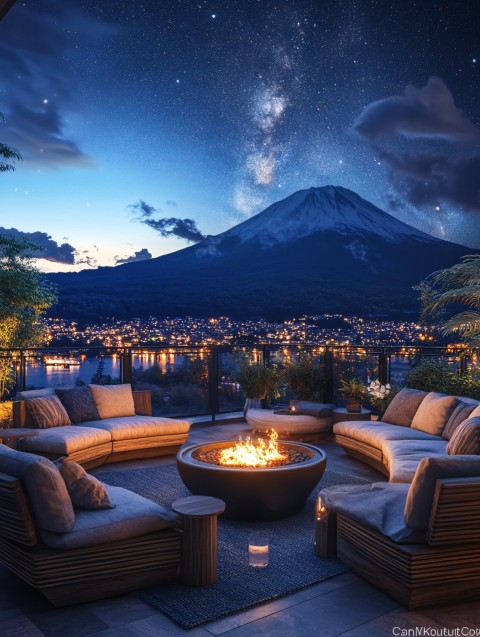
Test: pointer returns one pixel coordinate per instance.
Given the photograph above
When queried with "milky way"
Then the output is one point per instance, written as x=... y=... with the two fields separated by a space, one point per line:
x=220 y=109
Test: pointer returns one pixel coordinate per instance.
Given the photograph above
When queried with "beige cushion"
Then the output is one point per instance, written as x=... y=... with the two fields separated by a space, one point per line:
x=402 y=457
x=375 y=433
x=433 y=413
x=403 y=407
x=132 y=516
x=46 y=489
x=266 y=419
x=47 y=412
x=132 y=427
x=420 y=496
x=466 y=438
x=85 y=491
x=475 y=412
x=461 y=412
x=62 y=441
x=113 y=401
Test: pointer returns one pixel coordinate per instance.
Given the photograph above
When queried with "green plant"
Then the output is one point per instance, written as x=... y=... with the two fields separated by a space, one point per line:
x=258 y=381
x=380 y=396
x=306 y=377
x=432 y=376
x=352 y=389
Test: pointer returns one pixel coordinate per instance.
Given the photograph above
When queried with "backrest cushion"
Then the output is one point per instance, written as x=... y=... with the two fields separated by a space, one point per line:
x=433 y=413
x=403 y=407
x=476 y=411
x=86 y=492
x=420 y=495
x=113 y=401
x=79 y=403
x=461 y=412
x=466 y=438
x=34 y=393
x=47 y=412
x=45 y=486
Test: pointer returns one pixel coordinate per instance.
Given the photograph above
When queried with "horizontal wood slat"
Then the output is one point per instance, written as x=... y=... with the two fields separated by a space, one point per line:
x=362 y=451
x=16 y=520
x=455 y=515
x=149 y=442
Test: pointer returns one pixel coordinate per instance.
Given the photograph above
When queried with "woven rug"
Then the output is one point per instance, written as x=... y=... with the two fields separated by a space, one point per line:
x=293 y=564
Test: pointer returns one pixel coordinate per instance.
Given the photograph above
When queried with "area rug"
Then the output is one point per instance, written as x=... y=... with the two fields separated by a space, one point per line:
x=293 y=564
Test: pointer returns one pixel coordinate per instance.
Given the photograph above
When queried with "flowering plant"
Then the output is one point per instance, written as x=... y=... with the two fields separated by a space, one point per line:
x=380 y=396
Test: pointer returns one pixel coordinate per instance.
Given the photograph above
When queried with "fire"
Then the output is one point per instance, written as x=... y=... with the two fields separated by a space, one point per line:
x=248 y=453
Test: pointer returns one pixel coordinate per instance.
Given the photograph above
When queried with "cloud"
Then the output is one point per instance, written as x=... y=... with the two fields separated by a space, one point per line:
x=37 y=64
x=49 y=250
x=167 y=226
x=427 y=112
x=171 y=203
x=447 y=171
x=140 y=255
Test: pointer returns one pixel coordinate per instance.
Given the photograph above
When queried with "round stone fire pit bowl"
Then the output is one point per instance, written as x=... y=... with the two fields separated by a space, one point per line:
x=268 y=493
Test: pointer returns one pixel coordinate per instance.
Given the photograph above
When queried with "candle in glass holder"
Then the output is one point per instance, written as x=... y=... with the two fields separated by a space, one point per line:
x=258 y=550
x=292 y=409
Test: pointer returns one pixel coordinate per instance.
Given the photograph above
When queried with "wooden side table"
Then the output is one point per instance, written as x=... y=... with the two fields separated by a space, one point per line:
x=199 y=543
x=341 y=414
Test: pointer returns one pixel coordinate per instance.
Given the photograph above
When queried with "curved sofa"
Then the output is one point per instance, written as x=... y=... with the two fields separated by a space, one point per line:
x=95 y=442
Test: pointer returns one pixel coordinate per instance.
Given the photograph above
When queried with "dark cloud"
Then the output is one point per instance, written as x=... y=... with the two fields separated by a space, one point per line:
x=446 y=172
x=167 y=226
x=420 y=112
x=172 y=204
x=49 y=249
x=34 y=51
x=140 y=255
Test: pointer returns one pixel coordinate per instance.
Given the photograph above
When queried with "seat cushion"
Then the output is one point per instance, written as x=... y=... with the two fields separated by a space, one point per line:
x=79 y=403
x=132 y=516
x=403 y=407
x=85 y=491
x=113 y=401
x=62 y=441
x=375 y=433
x=46 y=489
x=266 y=419
x=433 y=413
x=466 y=438
x=402 y=457
x=379 y=505
x=461 y=412
x=47 y=412
x=420 y=496
x=139 y=426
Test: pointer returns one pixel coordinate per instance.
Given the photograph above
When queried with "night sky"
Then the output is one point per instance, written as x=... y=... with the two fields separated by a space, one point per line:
x=144 y=126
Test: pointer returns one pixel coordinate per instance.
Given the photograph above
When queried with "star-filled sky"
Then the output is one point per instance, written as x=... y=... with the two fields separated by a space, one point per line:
x=144 y=126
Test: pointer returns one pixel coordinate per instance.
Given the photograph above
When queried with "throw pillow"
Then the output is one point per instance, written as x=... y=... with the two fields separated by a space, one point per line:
x=403 y=407
x=85 y=491
x=79 y=403
x=46 y=489
x=461 y=412
x=113 y=401
x=466 y=439
x=47 y=412
x=433 y=413
x=476 y=411
x=35 y=393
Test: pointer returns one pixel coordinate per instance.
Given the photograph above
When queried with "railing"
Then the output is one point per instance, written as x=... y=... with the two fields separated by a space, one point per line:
x=200 y=380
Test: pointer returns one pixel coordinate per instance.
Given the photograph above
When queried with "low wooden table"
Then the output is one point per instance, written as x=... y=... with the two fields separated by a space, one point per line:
x=199 y=544
x=340 y=414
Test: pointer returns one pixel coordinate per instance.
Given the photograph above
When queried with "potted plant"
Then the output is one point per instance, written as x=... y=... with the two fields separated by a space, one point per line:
x=258 y=383
x=380 y=396
x=306 y=377
x=352 y=392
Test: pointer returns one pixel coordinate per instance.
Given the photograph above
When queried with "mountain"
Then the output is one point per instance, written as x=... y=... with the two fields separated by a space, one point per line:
x=319 y=250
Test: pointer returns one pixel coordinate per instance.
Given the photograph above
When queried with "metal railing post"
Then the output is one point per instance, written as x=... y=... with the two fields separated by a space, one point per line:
x=383 y=367
x=213 y=381
x=126 y=374
x=330 y=372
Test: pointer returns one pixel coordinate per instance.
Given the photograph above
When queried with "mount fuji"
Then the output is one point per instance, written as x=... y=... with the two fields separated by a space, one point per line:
x=319 y=250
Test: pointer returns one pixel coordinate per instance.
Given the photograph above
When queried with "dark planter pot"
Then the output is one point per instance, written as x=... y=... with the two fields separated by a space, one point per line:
x=354 y=406
x=254 y=494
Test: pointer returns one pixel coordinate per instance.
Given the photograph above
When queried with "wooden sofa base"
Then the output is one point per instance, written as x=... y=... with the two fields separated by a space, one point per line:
x=416 y=575
x=80 y=575
x=363 y=452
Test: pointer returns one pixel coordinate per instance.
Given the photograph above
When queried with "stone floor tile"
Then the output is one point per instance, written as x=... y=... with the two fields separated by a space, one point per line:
x=72 y=621
x=118 y=611
x=461 y=615
x=384 y=625
x=19 y=626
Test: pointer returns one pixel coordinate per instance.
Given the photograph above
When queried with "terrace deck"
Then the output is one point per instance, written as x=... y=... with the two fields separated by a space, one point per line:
x=344 y=605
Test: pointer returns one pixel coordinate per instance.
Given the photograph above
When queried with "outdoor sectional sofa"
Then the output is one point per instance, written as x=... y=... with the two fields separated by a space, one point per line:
x=417 y=536
x=122 y=428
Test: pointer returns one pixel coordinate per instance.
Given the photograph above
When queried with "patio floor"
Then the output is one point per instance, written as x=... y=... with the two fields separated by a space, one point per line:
x=345 y=605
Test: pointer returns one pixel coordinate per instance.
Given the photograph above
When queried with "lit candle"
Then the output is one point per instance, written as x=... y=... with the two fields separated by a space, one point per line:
x=320 y=509
x=292 y=409
x=258 y=550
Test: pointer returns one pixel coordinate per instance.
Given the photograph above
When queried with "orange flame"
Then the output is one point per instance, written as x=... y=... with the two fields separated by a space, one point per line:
x=248 y=453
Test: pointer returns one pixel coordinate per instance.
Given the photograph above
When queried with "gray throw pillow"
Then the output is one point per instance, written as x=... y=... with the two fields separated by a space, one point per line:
x=86 y=492
x=46 y=489
x=79 y=403
x=420 y=495
x=461 y=412
x=47 y=412
x=466 y=438
x=403 y=407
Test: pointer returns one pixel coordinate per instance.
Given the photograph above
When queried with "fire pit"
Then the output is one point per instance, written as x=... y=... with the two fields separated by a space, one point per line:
x=258 y=480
